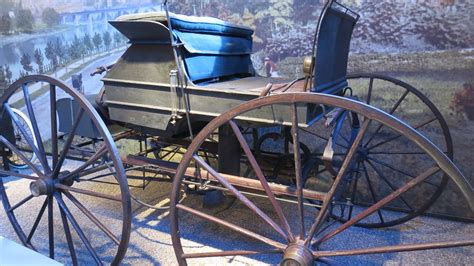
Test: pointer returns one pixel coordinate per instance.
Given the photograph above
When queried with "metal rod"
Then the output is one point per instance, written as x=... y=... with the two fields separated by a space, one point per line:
x=399 y=135
x=390 y=112
x=234 y=227
x=89 y=193
x=372 y=191
x=389 y=198
x=263 y=180
x=91 y=160
x=298 y=170
x=67 y=232
x=68 y=143
x=8 y=173
x=51 y=226
x=241 y=197
x=37 y=220
x=345 y=166
x=92 y=217
x=34 y=124
x=395 y=248
x=228 y=253
x=19 y=204
x=170 y=168
x=54 y=126
x=78 y=229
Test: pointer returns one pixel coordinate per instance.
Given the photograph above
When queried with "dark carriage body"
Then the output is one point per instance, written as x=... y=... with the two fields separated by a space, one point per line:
x=218 y=71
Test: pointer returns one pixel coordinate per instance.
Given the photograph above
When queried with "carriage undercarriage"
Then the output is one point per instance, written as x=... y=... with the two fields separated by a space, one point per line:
x=307 y=165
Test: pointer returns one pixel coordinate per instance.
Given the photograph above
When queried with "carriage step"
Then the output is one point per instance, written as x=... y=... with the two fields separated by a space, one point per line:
x=169 y=168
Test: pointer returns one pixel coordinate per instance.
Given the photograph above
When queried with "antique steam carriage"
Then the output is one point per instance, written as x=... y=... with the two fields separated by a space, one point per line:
x=309 y=157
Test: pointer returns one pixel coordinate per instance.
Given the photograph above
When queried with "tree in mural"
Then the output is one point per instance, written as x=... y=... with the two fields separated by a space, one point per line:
x=39 y=59
x=51 y=17
x=118 y=39
x=60 y=51
x=3 y=81
x=51 y=54
x=76 y=48
x=87 y=42
x=97 y=40
x=8 y=74
x=107 y=39
x=24 y=20
x=441 y=27
x=25 y=61
x=5 y=23
x=381 y=23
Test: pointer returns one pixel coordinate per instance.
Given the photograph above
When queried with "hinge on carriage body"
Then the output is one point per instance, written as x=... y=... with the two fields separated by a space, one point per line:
x=174 y=96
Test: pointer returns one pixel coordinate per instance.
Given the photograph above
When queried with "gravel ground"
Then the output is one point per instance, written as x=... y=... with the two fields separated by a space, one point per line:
x=150 y=242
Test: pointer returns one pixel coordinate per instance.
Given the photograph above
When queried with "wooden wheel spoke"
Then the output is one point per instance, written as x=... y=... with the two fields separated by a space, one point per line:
x=391 y=167
x=88 y=193
x=54 y=125
x=51 y=227
x=398 y=170
x=323 y=138
x=229 y=253
x=91 y=217
x=78 y=229
x=34 y=124
x=37 y=221
x=394 y=108
x=67 y=232
x=234 y=227
x=20 y=203
x=21 y=155
x=399 y=135
x=392 y=187
x=395 y=248
x=240 y=196
x=399 y=153
x=342 y=172
x=369 y=93
x=261 y=177
x=4 y=174
x=298 y=169
x=372 y=191
x=354 y=191
x=89 y=162
x=68 y=143
x=387 y=199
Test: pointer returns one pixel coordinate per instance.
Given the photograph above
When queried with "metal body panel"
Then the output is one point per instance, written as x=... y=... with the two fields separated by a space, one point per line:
x=137 y=88
x=150 y=105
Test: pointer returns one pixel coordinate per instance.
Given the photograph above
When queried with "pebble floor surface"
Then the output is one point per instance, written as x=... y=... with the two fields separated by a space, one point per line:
x=150 y=242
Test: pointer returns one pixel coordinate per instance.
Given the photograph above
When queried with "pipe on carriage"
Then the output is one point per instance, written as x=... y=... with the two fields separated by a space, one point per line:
x=243 y=182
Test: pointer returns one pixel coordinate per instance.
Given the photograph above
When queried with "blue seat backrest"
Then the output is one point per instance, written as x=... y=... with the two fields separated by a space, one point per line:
x=332 y=49
x=213 y=48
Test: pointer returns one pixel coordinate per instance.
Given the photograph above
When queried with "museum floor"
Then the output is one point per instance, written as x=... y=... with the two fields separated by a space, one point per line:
x=150 y=242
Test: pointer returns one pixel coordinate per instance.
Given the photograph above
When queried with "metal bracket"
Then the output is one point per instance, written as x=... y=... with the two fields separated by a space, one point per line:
x=174 y=97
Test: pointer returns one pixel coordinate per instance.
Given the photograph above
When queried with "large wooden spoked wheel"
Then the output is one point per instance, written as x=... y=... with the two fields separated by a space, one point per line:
x=377 y=173
x=300 y=234
x=51 y=205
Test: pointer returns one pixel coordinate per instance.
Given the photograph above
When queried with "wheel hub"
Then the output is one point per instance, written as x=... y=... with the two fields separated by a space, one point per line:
x=297 y=254
x=362 y=154
x=41 y=187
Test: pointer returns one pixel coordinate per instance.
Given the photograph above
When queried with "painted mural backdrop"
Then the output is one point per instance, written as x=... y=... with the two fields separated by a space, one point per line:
x=427 y=43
